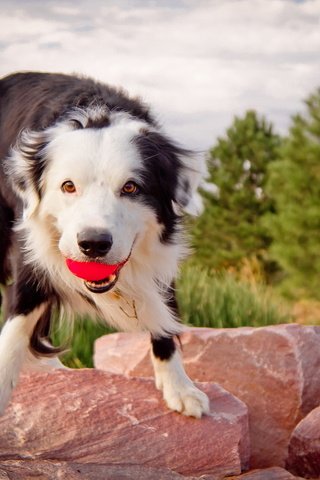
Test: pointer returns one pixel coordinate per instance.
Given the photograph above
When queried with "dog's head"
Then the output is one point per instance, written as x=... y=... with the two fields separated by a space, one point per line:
x=102 y=183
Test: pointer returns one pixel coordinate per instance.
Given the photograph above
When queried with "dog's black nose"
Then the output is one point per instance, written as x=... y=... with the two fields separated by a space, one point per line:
x=94 y=243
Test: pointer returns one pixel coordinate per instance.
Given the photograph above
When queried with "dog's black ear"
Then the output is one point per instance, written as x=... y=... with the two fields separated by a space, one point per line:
x=177 y=171
x=24 y=166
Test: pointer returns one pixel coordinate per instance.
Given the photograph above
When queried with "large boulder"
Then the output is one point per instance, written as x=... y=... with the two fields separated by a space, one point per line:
x=304 y=447
x=53 y=470
x=274 y=370
x=92 y=417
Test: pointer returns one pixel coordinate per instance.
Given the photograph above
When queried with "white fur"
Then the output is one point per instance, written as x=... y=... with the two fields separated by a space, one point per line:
x=14 y=343
x=178 y=390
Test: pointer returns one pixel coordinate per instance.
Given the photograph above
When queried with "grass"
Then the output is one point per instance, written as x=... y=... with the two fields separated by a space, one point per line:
x=220 y=300
x=79 y=341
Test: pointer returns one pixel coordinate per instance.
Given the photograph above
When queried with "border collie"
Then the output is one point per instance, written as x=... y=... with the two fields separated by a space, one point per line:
x=92 y=196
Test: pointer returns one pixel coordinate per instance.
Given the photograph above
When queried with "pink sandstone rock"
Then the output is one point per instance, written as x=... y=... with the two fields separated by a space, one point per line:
x=275 y=370
x=304 y=447
x=92 y=417
x=53 y=470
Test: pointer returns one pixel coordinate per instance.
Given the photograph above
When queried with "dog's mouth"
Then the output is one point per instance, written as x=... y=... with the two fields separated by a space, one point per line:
x=104 y=285
x=98 y=277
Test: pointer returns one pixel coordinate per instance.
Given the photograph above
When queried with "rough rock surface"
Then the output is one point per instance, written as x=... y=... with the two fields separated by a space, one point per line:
x=92 y=417
x=275 y=370
x=304 y=447
x=52 y=470
x=275 y=473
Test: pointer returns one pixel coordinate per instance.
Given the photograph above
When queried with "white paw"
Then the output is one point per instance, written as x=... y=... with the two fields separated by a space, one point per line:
x=179 y=393
x=14 y=343
x=189 y=400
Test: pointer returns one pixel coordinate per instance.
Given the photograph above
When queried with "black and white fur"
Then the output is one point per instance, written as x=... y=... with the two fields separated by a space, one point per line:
x=58 y=128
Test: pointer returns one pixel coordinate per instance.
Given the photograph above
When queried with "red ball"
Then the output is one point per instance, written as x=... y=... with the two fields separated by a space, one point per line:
x=91 y=271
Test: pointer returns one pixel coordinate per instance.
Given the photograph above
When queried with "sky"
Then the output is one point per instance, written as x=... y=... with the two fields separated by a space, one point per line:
x=198 y=63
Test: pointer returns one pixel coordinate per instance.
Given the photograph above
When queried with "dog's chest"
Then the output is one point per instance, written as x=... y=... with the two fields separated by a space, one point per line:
x=113 y=308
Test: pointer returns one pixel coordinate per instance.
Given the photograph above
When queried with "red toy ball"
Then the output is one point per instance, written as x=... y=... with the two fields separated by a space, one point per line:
x=91 y=271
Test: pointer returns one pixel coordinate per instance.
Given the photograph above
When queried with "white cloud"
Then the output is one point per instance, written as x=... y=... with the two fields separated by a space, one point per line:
x=197 y=62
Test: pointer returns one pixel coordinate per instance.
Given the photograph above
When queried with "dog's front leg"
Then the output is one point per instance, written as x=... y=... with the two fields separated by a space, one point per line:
x=179 y=392
x=14 y=344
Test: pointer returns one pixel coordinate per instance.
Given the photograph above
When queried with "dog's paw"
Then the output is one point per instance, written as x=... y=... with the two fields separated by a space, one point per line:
x=179 y=392
x=188 y=400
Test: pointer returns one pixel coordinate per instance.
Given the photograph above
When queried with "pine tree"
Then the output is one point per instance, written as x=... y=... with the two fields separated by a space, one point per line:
x=231 y=227
x=295 y=185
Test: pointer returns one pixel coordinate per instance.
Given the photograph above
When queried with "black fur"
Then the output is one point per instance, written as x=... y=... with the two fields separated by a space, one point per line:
x=51 y=97
x=162 y=165
x=34 y=153
x=163 y=348
x=6 y=222
x=40 y=341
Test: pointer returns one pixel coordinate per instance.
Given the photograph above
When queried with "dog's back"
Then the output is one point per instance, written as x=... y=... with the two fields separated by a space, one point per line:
x=37 y=100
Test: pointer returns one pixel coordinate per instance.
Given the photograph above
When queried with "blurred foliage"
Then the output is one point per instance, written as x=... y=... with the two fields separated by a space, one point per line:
x=294 y=184
x=231 y=227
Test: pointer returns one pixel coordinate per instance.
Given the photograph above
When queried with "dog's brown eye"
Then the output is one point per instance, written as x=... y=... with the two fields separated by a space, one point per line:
x=130 y=188
x=68 y=187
